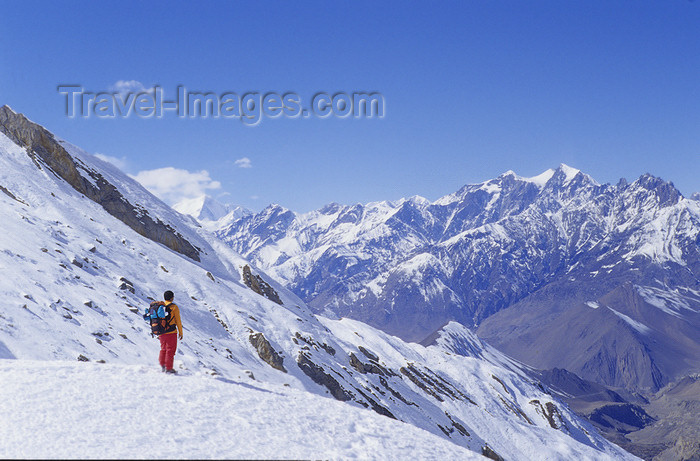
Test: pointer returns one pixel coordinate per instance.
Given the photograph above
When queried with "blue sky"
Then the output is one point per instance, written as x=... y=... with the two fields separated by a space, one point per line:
x=472 y=89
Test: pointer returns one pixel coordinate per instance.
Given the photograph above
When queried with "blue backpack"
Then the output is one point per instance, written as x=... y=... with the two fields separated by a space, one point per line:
x=157 y=315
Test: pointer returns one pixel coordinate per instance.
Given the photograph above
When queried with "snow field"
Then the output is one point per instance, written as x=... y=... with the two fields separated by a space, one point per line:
x=57 y=410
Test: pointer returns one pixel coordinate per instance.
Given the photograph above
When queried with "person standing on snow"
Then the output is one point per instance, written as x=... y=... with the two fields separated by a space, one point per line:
x=173 y=330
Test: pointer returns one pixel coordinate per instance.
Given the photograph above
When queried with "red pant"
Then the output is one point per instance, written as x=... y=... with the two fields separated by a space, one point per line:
x=168 y=346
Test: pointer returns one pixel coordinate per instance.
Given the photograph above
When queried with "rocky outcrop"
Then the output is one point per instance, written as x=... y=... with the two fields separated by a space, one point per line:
x=313 y=343
x=260 y=286
x=432 y=384
x=10 y=194
x=46 y=151
x=490 y=454
x=266 y=352
x=369 y=354
x=372 y=367
x=551 y=413
x=319 y=376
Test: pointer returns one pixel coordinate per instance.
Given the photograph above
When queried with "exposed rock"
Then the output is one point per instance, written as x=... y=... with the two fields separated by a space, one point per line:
x=395 y=393
x=375 y=406
x=356 y=364
x=551 y=414
x=371 y=367
x=489 y=453
x=428 y=385
x=457 y=425
x=501 y=383
x=11 y=195
x=433 y=384
x=315 y=344
x=369 y=354
x=82 y=358
x=683 y=450
x=260 y=286
x=513 y=408
x=266 y=352
x=126 y=285
x=44 y=149
x=319 y=376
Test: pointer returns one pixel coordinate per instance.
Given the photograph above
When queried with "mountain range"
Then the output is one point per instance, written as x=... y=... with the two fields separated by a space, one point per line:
x=552 y=270
x=558 y=271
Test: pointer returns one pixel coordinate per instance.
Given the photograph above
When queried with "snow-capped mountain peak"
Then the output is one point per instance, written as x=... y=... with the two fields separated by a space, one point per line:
x=206 y=208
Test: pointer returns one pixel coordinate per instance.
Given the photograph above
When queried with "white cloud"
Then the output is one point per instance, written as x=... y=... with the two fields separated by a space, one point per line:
x=124 y=87
x=118 y=162
x=172 y=185
x=244 y=163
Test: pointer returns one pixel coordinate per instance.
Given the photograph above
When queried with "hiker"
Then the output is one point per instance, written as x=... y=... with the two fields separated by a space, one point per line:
x=168 y=339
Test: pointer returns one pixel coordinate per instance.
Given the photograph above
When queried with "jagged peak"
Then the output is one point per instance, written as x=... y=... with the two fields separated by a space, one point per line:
x=275 y=208
x=331 y=208
x=649 y=179
x=665 y=191
x=654 y=183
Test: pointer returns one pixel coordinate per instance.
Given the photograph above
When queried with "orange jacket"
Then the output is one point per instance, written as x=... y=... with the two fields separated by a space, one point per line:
x=174 y=317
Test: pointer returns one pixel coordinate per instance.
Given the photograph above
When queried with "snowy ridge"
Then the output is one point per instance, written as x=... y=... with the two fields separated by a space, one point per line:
x=460 y=340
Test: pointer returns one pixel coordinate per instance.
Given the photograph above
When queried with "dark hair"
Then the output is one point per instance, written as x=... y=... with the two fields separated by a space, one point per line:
x=168 y=295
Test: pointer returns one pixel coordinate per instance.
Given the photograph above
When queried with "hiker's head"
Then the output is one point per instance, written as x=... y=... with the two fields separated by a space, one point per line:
x=168 y=295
